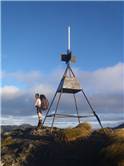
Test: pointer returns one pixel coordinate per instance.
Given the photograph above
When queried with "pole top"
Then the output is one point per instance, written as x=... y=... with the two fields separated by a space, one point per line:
x=69 y=36
x=68 y=57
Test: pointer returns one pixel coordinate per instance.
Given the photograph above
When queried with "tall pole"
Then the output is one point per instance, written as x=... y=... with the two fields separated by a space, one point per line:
x=69 y=44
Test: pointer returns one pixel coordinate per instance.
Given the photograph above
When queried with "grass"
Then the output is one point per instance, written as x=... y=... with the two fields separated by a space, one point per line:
x=72 y=134
x=81 y=145
x=7 y=141
x=113 y=152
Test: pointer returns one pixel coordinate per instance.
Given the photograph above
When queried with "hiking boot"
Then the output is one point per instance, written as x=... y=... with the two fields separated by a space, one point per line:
x=39 y=124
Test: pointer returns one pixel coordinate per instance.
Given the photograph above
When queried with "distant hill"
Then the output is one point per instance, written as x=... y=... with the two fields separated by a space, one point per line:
x=119 y=126
x=8 y=128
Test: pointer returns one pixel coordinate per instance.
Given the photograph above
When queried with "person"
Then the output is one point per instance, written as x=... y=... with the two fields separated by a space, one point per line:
x=38 y=109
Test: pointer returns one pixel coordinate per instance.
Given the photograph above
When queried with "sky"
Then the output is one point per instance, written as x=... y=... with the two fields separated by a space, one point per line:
x=34 y=35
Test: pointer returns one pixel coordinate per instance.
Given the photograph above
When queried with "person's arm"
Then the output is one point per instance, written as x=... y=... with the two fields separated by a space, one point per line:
x=38 y=103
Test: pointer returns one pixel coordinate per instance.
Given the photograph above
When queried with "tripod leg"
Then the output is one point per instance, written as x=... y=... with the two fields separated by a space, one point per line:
x=50 y=107
x=71 y=71
x=56 y=93
x=92 y=109
x=76 y=107
x=56 y=111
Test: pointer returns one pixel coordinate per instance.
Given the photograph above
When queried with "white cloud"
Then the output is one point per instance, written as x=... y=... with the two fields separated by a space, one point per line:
x=24 y=77
x=104 y=88
x=110 y=79
x=10 y=89
x=106 y=80
x=42 y=88
x=108 y=120
x=10 y=92
x=16 y=120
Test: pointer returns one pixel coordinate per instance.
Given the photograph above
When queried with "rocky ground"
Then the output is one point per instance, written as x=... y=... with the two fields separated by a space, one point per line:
x=26 y=146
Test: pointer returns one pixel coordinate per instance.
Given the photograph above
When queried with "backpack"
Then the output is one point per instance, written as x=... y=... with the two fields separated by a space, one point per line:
x=44 y=102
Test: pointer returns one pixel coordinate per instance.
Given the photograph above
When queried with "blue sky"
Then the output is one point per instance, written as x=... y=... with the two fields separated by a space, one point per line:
x=34 y=34
x=38 y=30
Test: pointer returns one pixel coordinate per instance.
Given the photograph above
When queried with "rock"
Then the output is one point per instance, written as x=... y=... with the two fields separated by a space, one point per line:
x=38 y=132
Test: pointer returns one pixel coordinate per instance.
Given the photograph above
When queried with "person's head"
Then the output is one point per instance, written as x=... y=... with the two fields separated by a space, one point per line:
x=37 y=95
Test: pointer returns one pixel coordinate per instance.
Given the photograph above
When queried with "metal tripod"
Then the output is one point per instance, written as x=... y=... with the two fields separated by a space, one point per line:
x=60 y=90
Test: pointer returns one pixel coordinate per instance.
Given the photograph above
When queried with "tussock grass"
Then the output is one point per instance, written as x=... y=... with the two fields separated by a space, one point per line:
x=86 y=126
x=113 y=152
x=72 y=134
x=7 y=141
x=118 y=135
